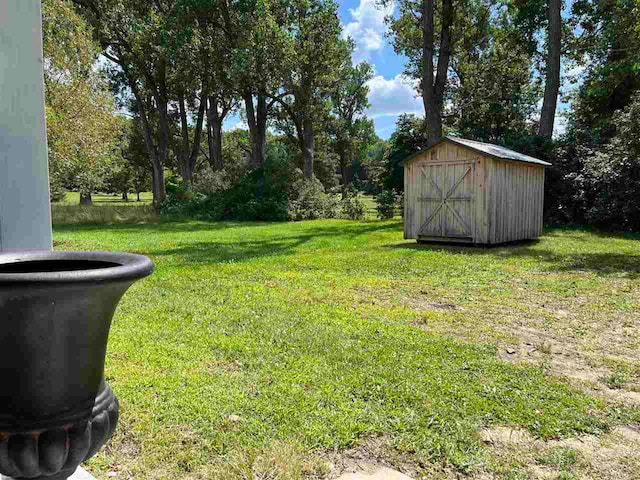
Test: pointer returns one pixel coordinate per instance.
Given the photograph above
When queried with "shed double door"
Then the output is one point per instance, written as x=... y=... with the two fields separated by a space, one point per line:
x=446 y=200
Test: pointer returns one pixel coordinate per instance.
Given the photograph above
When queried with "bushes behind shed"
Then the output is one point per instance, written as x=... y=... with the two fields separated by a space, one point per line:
x=276 y=192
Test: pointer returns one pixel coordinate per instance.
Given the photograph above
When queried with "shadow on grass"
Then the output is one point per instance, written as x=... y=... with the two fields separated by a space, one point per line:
x=162 y=226
x=278 y=238
x=347 y=228
x=597 y=262
x=220 y=252
x=205 y=253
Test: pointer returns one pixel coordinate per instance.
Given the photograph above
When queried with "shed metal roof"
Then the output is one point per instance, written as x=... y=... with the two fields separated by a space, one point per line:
x=487 y=149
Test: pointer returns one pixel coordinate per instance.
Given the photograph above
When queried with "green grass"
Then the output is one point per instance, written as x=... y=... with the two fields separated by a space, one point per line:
x=105 y=210
x=255 y=350
x=73 y=198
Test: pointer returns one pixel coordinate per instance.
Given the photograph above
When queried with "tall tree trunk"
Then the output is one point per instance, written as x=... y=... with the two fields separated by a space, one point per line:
x=85 y=199
x=162 y=102
x=345 y=182
x=261 y=133
x=257 y=120
x=309 y=146
x=185 y=170
x=189 y=152
x=125 y=196
x=552 y=81
x=342 y=154
x=433 y=90
x=214 y=133
x=157 y=180
x=157 y=184
x=138 y=194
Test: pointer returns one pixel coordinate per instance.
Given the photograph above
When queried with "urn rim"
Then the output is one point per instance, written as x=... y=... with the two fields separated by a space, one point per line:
x=71 y=267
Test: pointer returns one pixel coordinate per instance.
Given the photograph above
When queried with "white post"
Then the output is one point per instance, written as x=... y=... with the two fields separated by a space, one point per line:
x=25 y=211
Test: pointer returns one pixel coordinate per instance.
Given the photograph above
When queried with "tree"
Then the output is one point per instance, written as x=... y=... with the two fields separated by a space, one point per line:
x=409 y=137
x=552 y=79
x=594 y=173
x=415 y=36
x=81 y=127
x=353 y=131
x=130 y=170
x=611 y=177
x=207 y=74
x=609 y=49
x=140 y=169
x=138 y=37
x=220 y=105
x=316 y=52
x=189 y=85
x=254 y=34
x=494 y=97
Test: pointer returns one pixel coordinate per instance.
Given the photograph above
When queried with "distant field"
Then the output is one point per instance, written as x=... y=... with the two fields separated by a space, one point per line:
x=73 y=198
x=106 y=209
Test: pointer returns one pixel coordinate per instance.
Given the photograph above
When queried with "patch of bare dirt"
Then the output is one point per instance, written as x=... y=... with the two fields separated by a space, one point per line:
x=565 y=359
x=505 y=435
x=370 y=454
x=611 y=456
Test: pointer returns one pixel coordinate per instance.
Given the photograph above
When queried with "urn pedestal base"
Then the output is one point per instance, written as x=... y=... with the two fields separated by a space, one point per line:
x=80 y=474
x=55 y=453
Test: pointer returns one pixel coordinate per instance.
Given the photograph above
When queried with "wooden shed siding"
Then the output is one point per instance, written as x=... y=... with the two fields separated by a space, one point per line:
x=517 y=192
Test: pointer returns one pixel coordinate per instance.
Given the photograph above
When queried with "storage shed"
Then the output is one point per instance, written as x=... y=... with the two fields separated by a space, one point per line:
x=466 y=191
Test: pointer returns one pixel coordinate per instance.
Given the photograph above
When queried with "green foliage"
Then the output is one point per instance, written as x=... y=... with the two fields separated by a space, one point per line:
x=81 y=128
x=497 y=97
x=612 y=175
x=409 y=137
x=309 y=201
x=387 y=203
x=353 y=133
x=57 y=191
x=616 y=380
x=277 y=192
x=609 y=49
x=352 y=207
x=598 y=184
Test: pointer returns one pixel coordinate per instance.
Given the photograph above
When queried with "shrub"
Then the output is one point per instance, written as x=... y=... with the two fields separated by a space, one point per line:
x=612 y=175
x=387 y=202
x=277 y=192
x=353 y=207
x=208 y=180
x=309 y=201
x=260 y=195
x=205 y=207
x=57 y=193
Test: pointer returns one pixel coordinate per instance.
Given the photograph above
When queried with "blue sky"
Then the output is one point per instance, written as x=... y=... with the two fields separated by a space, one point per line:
x=390 y=93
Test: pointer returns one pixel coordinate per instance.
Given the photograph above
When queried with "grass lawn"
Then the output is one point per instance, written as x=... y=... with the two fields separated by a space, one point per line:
x=73 y=198
x=296 y=350
x=106 y=209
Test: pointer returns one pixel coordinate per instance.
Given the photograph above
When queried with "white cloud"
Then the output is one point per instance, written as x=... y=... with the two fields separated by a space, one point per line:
x=241 y=125
x=393 y=97
x=368 y=27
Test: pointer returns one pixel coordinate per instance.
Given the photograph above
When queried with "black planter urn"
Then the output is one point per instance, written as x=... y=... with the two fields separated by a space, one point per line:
x=56 y=410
